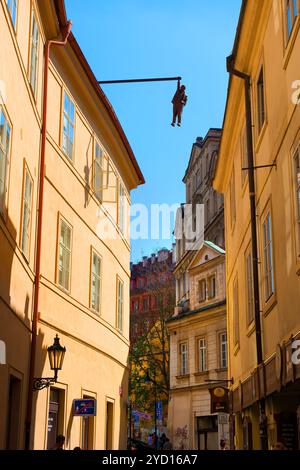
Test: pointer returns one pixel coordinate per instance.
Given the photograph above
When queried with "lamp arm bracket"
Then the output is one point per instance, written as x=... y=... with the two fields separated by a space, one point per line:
x=40 y=383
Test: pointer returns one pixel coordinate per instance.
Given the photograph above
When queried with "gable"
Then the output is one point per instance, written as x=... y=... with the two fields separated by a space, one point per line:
x=206 y=253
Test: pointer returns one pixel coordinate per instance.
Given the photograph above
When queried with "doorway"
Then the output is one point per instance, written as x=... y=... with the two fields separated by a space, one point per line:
x=87 y=441
x=109 y=425
x=13 y=421
x=55 y=416
x=207 y=431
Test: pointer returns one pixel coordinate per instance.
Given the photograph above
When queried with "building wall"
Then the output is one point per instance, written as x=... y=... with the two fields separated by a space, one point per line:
x=265 y=24
x=96 y=359
x=151 y=278
x=189 y=392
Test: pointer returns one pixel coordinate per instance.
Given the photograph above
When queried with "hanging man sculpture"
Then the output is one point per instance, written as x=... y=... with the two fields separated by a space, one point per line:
x=179 y=101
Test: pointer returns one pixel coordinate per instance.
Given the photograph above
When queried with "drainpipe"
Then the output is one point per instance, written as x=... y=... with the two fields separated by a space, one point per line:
x=247 y=80
x=65 y=31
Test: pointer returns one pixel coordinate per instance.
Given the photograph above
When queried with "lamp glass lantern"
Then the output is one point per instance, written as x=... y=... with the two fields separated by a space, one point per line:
x=56 y=354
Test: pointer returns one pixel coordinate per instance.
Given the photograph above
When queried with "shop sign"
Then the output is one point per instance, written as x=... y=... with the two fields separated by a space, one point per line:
x=219 y=400
x=84 y=407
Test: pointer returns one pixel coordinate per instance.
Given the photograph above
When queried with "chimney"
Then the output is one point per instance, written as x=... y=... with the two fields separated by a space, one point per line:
x=145 y=259
x=153 y=256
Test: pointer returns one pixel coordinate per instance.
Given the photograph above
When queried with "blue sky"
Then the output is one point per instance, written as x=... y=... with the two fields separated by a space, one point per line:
x=142 y=38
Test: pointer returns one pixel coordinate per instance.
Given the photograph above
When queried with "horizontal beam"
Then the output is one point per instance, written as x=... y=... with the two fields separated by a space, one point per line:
x=139 y=80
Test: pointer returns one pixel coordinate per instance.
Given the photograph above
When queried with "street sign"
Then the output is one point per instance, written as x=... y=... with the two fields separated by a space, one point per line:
x=84 y=407
x=159 y=411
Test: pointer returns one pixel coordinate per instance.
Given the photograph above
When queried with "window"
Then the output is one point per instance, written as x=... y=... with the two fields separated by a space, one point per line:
x=97 y=172
x=183 y=350
x=268 y=257
x=136 y=306
x=34 y=47
x=297 y=193
x=223 y=350
x=249 y=286
x=236 y=327
x=120 y=302
x=232 y=199
x=202 y=355
x=26 y=212
x=146 y=304
x=212 y=287
x=95 y=295
x=68 y=126
x=291 y=15
x=12 y=6
x=261 y=112
x=121 y=208
x=5 y=133
x=244 y=154
x=202 y=290
x=64 y=254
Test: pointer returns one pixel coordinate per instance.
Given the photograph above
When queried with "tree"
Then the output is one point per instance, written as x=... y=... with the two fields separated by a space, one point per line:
x=149 y=355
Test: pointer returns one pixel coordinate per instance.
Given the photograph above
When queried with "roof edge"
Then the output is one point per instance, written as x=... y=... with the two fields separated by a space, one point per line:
x=62 y=18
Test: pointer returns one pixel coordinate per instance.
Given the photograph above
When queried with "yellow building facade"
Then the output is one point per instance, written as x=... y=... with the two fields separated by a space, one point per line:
x=198 y=355
x=83 y=262
x=266 y=49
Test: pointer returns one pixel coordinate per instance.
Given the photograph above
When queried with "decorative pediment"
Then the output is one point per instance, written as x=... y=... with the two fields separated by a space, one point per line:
x=207 y=252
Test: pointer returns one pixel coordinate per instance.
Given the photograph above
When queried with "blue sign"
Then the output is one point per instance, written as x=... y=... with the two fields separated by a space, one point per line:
x=159 y=411
x=84 y=407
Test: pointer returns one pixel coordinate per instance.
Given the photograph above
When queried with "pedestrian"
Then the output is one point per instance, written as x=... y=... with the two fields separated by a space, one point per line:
x=150 y=440
x=60 y=442
x=77 y=448
x=168 y=444
x=162 y=440
x=223 y=444
x=154 y=440
x=179 y=101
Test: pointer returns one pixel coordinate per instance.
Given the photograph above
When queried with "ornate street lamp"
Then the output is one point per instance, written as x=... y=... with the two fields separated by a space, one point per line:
x=56 y=354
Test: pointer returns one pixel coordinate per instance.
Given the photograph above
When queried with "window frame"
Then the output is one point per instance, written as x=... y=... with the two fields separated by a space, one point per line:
x=181 y=369
x=118 y=327
x=7 y=154
x=268 y=294
x=209 y=280
x=232 y=199
x=289 y=5
x=121 y=216
x=62 y=219
x=15 y=25
x=203 y=349
x=26 y=172
x=296 y=197
x=202 y=282
x=221 y=343
x=235 y=312
x=249 y=285
x=95 y=252
x=261 y=103
x=71 y=99
x=98 y=193
x=33 y=18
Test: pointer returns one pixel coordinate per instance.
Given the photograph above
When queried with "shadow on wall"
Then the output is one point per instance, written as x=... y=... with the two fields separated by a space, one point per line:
x=41 y=359
x=123 y=397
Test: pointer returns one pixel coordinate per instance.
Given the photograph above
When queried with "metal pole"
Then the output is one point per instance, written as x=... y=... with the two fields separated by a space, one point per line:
x=139 y=80
x=252 y=195
x=155 y=418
